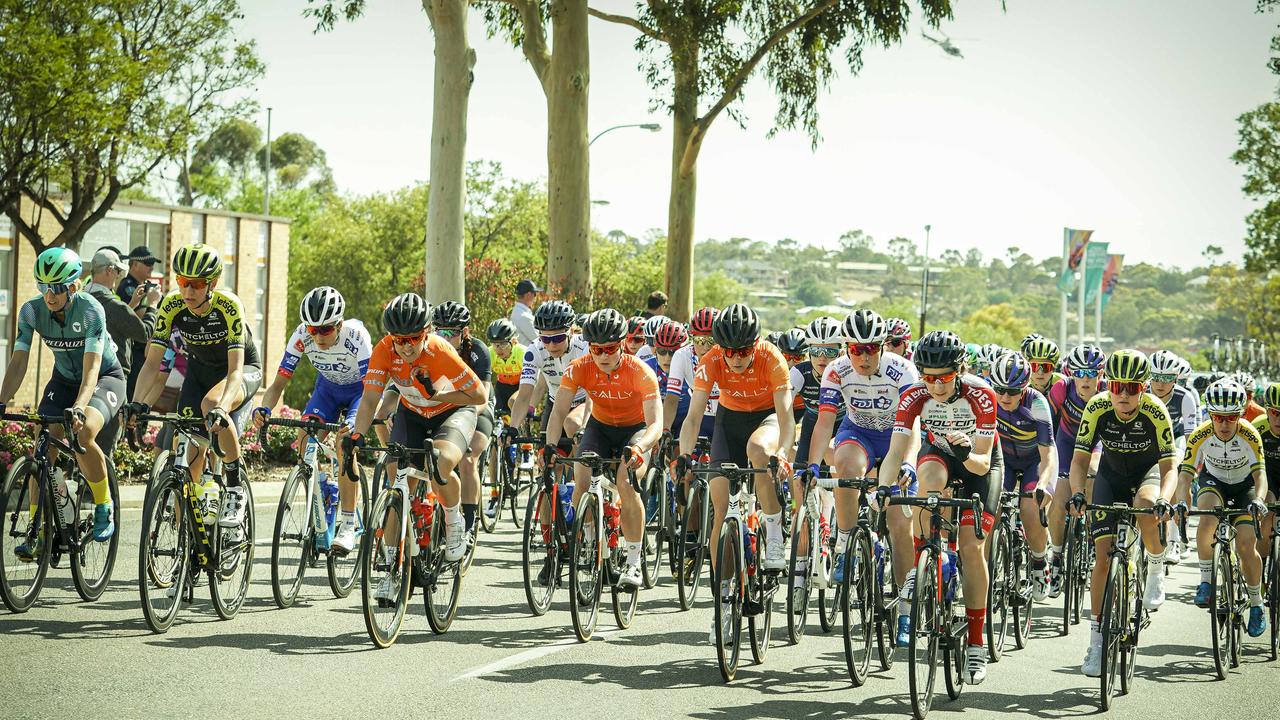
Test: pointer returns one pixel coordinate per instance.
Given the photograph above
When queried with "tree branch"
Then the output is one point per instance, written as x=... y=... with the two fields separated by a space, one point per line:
x=624 y=20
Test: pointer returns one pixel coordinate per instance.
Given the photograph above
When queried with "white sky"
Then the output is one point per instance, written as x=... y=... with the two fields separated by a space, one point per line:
x=1116 y=117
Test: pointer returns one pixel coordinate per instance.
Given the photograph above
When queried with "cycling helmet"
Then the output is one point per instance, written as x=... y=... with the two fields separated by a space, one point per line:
x=1011 y=371
x=987 y=356
x=939 y=349
x=898 y=329
x=197 y=261
x=1164 y=362
x=322 y=306
x=406 y=314
x=1244 y=380
x=1128 y=366
x=450 y=314
x=793 y=342
x=1086 y=357
x=1184 y=366
x=578 y=320
x=773 y=337
x=500 y=330
x=58 y=266
x=824 y=331
x=971 y=352
x=553 y=315
x=652 y=324
x=1226 y=397
x=700 y=323
x=736 y=327
x=865 y=326
x=1026 y=342
x=1041 y=350
x=1271 y=398
x=604 y=326
x=671 y=336
x=635 y=326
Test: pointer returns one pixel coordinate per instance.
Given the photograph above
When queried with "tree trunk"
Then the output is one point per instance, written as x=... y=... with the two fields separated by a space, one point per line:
x=446 y=242
x=682 y=202
x=568 y=187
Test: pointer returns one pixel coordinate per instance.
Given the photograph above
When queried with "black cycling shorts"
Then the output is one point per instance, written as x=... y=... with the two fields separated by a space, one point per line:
x=965 y=484
x=607 y=441
x=484 y=421
x=1109 y=490
x=502 y=394
x=200 y=379
x=734 y=429
x=1232 y=495
x=412 y=430
x=60 y=394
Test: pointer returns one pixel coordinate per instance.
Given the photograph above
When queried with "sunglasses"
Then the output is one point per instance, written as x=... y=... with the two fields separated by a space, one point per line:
x=792 y=358
x=703 y=340
x=898 y=341
x=1008 y=392
x=1224 y=418
x=824 y=351
x=407 y=339
x=1039 y=367
x=1164 y=377
x=610 y=349
x=554 y=339
x=739 y=352
x=46 y=288
x=1126 y=388
x=1084 y=373
x=857 y=349
x=193 y=283
x=321 y=329
x=448 y=332
x=664 y=352
x=939 y=379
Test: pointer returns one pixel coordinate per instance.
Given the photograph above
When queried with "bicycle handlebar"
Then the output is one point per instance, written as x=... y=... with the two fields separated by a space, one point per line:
x=37 y=419
x=191 y=426
x=1222 y=513
x=933 y=502
x=1128 y=510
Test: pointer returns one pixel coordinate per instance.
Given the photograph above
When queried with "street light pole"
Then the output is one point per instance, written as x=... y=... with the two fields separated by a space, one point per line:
x=924 y=284
x=266 y=182
x=651 y=127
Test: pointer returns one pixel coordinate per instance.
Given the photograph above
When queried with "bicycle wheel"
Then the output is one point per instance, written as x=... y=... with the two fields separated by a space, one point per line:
x=293 y=543
x=92 y=561
x=1133 y=620
x=727 y=580
x=1273 y=596
x=624 y=599
x=1074 y=574
x=953 y=651
x=441 y=580
x=998 y=580
x=922 y=650
x=885 y=609
x=164 y=551
x=655 y=527
x=513 y=491
x=1024 y=601
x=385 y=583
x=1114 y=625
x=232 y=568
x=1220 y=610
x=537 y=548
x=829 y=601
x=692 y=550
x=23 y=525
x=492 y=484
x=857 y=597
x=344 y=569
x=585 y=571
x=798 y=575
x=761 y=587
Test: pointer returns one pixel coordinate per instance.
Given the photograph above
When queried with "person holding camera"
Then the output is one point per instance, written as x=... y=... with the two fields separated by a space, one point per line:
x=140 y=292
x=129 y=324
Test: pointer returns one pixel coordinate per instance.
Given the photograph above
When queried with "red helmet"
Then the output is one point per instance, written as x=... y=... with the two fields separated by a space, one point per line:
x=635 y=327
x=671 y=336
x=700 y=324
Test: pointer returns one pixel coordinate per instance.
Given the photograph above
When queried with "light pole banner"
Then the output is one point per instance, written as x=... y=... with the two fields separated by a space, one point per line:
x=1074 y=244
x=1110 y=277
x=1095 y=265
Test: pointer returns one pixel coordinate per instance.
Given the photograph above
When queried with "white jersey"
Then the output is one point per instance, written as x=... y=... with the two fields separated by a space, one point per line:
x=680 y=377
x=343 y=364
x=644 y=353
x=872 y=402
x=538 y=360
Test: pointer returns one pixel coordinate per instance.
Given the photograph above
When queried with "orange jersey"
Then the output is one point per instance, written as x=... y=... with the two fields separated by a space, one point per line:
x=438 y=360
x=617 y=398
x=750 y=390
x=1253 y=410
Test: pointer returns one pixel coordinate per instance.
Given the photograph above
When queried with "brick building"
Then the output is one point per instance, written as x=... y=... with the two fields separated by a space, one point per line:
x=255 y=251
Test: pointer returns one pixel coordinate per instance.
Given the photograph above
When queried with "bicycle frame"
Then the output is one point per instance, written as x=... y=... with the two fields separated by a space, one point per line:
x=186 y=430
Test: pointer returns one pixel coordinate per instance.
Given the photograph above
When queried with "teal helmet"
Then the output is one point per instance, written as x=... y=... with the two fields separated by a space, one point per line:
x=58 y=266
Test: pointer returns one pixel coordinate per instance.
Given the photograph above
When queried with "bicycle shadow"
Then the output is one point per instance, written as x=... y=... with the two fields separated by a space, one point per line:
x=291 y=644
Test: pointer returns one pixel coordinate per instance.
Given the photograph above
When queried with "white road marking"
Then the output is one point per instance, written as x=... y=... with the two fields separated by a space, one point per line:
x=529 y=655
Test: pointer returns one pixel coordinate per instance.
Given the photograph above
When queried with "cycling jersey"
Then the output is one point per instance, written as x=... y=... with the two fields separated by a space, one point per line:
x=872 y=402
x=750 y=390
x=82 y=329
x=209 y=336
x=617 y=398
x=538 y=360
x=806 y=385
x=344 y=363
x=1025 y=430
x=476 y=355
x=1067 y=407
x=1253 y=410
x=1230 y=461
x=441 y=364
x=971 y=411
x=1270 y=451
x=1129 y=447
x=507 y=372
x=680 y=378
x=1184 y=411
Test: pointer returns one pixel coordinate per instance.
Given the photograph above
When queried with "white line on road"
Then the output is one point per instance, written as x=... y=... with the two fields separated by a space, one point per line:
x=528 y=655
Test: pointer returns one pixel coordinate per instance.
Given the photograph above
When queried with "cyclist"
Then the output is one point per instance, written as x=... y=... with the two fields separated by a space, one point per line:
x=985 y=359
x=451 y=320
x=634 y=340
x=339 y=350
x=439 y=398
x=1184 y=413
x=1026 y=439
x=1043 y=357
x=957 y=413
x=224 y=370
x=794 y=346
x=87 y=384
x=622 y=393
x=899 y=342
x=505 y=358
x=668 y=341
x=651 y=327
x=823 y=338
x=754 y=421
x=1137 y=468
x=1227 y=455
x=1252 y=410
x=545 y=361
x=868 y=382
x=1067 y=398
x=684 y=362
x=1268 y=427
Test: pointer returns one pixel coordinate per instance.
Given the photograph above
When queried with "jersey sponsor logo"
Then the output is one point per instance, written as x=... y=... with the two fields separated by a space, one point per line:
x=350 y=345
x=76 y=327
x=298 y=346
x=894 y=372
x=62 y=344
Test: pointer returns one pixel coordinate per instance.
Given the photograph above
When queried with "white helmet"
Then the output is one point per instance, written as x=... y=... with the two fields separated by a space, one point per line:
x=1226 y=397
x=865 y=326
x=824 y=331
x=322 y=306
x=1164 y=362
x=652 y=325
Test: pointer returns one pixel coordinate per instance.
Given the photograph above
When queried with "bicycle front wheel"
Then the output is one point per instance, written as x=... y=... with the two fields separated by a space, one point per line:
x=1220 y=600
x=998 y=582
x=538 y=551
x=886 y=601
x=442 y=580
x=344 y=569
x=585 y=576
x=164 y=551
x=1114 y=623
x=1022 y=596
x=761 y=588
x=493 y=481
x=294 y=540
x=1273 y=596
x=857 y=598
x=233 y=561
x=799 y=574
x=92 y=561
x=384 y=576
x=25 y=524
x=926 y=631
x=691 y=544
x=727 y=585
x=655 y=525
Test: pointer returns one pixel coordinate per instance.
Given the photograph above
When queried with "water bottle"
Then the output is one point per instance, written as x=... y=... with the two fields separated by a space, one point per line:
x=566 y=503
x=511 y=454
x=948 y=559
x=329 y=491
x=209 y=501
x=63 y=489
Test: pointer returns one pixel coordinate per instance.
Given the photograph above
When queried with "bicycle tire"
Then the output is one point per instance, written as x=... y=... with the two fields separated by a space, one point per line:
x=1273 y=596
x=953 y=653
x=1114 y=625
x=442 y=580
x=1074 y=571
x=344 y=569
x=585 y=554
x=1220 y=611
x=534 y=549
x=492 y=478
x=19 y=522
x=92 y=561
x=857 y=597
x=232 y=569
x=293 y=540
x=798 y=595
x=693 y=554
x=624 y=599
x=1134 y=614
x=760 y=625
x=1024 y=605
x=829 y=601
x=728 y=648
x=163 y=585
x=655 y=528
x=922 y=650
x=885 y=585
x=376 y=562
x=998 y=568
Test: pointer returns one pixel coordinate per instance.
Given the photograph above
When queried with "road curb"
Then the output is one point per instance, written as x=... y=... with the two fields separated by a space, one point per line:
x=132 y=496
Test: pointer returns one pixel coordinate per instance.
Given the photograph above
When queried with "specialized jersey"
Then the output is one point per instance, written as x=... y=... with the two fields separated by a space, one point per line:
x=1230 y=461
x=83 y=329
x=971 y=411
x=208 y=337
x=1184 y=411
x=750 y=390
x=538 y=360
x=1129 y=447
x=1025 y=430
x=617 y=398
x=438 y=361
x=872 y=402
x=680 y=379
x=344 y=363
x=507 y=372
x=1270 y=448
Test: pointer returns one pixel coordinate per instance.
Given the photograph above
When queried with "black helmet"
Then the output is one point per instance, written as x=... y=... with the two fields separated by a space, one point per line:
x=450 y=314
x=604 y=326
x=793 y=342
x=405 y=315
x=939 y=349
x=736 y=327
x=553 y=315
x=500 y=330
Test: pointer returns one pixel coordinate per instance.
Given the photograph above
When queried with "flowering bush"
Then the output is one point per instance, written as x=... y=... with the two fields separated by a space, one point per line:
x=277 y=446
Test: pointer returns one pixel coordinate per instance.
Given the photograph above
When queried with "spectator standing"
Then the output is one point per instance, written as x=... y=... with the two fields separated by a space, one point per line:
x=141 y=264
x=522 y=312
x=655 y=305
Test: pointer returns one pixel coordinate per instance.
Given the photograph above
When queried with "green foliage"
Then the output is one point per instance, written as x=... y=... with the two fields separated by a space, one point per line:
x=716 y=289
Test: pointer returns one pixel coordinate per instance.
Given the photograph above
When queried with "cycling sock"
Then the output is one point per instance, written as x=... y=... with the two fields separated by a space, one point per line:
x=453 y=515
x=1037 y=559
x=1206 y=570
x=773 y=525
x=842 y=540
x=1095 y=633
x=100 y=492
x=633 y=553
x=231 y=472
x=1055 y=554
x=1255 y=595
x=469 y=514
x=977 y=618
x=347 y=517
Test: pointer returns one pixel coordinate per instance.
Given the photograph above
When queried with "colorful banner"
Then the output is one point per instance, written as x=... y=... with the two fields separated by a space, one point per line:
x=1074 y=243
x=1095 y=266
x=1110 y=277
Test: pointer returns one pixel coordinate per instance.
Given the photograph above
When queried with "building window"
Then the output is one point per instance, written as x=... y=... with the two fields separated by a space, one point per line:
x=229 y=254
x=108 y=233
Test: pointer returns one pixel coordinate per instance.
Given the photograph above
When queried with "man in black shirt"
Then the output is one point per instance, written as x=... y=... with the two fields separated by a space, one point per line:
x=141 y=263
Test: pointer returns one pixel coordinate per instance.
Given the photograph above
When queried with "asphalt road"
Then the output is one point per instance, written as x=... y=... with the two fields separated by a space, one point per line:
x=67 y=658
